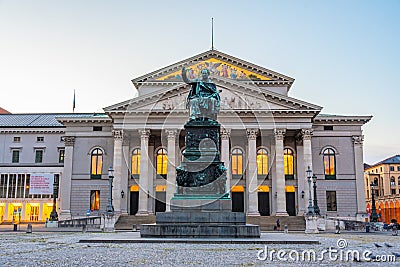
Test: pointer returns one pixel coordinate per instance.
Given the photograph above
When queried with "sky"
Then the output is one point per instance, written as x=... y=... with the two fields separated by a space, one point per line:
x=344 y=55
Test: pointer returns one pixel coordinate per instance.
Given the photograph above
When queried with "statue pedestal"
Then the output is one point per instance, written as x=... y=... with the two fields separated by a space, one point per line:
x=312 y=224
x=108 y=223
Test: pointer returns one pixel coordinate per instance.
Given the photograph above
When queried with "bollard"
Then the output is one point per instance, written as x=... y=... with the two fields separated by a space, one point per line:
x=134 y=229
x=367 y=228
x=15 y=227
x=285 y=229
x=29 y=228
x=84 y=228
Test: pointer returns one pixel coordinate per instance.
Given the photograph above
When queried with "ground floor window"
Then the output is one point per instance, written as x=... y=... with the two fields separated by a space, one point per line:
x=331 y=204
x=94 y=200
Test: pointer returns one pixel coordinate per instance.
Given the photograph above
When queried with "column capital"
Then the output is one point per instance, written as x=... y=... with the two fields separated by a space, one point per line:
x=225 y=134
x=171 y=133
x=306 y=133
x=279 y=133
x=144 y=133
x=118 y=134
x=69 y=140
x=252 y=133
x=358 y=139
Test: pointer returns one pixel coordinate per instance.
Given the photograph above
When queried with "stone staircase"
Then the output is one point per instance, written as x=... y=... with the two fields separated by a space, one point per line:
x=267 y=223
x=126 y=222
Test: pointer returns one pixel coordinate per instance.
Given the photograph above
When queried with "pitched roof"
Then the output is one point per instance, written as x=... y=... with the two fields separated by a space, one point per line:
x=217 y=55
x=38 y=120
x=3 y=111
x=392 y=160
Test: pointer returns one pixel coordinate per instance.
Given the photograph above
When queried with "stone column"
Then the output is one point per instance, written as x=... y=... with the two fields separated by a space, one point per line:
x=307 y=156
x=225 y=157
x=117 y=166
x=359 y=171
x=171 y=168
x=66 y=178
x=251 y=179
x=144 y=172
x=280 y=173
x=126 y=164
x=41 y=211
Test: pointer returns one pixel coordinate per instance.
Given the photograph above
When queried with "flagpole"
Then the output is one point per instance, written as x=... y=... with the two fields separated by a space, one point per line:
x=73 y=103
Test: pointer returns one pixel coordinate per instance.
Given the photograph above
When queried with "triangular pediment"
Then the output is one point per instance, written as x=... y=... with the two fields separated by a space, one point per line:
x=234 y=95
x=219 y=64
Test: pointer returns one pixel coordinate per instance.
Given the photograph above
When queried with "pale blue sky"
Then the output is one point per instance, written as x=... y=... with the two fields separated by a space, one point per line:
x=344 y=55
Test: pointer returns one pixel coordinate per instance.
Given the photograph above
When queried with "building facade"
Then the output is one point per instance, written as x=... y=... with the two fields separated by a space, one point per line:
x=268 y=140
x=384 y=178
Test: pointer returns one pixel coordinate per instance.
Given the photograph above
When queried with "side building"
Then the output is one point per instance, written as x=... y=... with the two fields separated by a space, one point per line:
x=383 y=178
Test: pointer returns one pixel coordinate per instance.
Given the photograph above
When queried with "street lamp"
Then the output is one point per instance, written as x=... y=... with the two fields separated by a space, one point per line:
x=374 y=215
x=53 y=214
x=310 y=210
x=316 y=208
x=110 y=208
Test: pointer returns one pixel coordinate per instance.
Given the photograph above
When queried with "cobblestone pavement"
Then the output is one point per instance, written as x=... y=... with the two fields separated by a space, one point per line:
x=63 y=249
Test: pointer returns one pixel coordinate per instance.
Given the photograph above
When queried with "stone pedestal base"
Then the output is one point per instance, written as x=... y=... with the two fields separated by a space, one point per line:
x=281 y=213
x=108 y=223
x=51 y=224
x=311 y=224
x=200 y=204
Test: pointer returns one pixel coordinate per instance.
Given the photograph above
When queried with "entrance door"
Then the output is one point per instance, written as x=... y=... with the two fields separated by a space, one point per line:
x=134 y=203
x=238 y=201
x=263 y=203
x=160 y=202
x=291 y=203
x=34 y=214
x=1 y=214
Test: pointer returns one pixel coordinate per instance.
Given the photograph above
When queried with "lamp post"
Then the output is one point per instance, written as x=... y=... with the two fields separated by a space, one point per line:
x=110 y=208
x=53 y=214
x=310 y=210
x=374 y=215
x=316 y=208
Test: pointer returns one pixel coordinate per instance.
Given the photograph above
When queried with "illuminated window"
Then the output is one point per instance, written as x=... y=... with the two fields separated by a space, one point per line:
x=331 y=204
x=162 y=162
x=136 y=162
x=96 y=163
x=237 y=162
x=329 y=164
x=262 y=162
x=94 y=200
x=288 y=160
x=61 y=155
x=392 y=181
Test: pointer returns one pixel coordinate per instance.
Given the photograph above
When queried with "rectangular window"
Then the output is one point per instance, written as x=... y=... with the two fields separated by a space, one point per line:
x=40 y=139
x=94 y=200
x=331 y=204
x=97 y=128
x=12 y=185
x=3 y=185
x=61 y=155
x=15 y=156
x=391 y=168
x=328 y=128
x=20 y=185
x=17 y=139
x=38 y=156
x=393 y=191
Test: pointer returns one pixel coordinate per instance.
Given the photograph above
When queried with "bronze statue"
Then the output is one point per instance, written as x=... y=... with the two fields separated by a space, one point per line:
x=203 y=99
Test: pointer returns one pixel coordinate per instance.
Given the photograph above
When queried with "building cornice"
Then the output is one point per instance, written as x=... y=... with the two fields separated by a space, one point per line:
x=29 y=131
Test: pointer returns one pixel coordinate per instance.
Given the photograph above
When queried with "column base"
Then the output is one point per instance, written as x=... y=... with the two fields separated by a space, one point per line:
x=142 y=213
x=311 y=224
x=253 y=213
x=361 y=216
x=109 y=223
x=281 y=213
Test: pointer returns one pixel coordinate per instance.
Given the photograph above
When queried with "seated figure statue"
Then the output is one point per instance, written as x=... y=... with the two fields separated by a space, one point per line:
x=203 y=99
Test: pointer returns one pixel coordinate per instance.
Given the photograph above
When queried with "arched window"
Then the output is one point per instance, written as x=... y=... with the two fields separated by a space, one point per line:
x=329 y=163
x=237 y=162
x=376 y=182
x=392 y=181
x=136 y=162
x=262 y=162
x=96 y=163
x=288 y=160
x=398 y=181
x=162 y=162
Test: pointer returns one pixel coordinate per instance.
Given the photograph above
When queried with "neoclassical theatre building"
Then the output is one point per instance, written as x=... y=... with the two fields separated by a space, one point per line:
x=268 y=140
